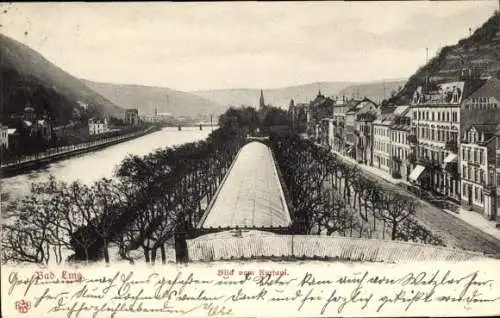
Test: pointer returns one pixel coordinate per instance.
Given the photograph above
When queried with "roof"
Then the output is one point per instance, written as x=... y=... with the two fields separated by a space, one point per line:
x=234 y=245
x=491 y=88
x=251 y=193
x=401 y=110
x=384 y=119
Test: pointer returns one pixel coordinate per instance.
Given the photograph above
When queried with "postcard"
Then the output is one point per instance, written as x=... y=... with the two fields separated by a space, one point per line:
x=243 y=159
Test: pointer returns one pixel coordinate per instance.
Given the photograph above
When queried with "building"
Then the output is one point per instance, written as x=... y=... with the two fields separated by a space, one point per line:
x=436 y=123
x=382 y=142
x=4 y=136
x=497 y=167
x=43 y=128
x=262 y=103
x=98 y=127
x=157 y=117
x=401 y=152
x=321 y=107
x=132 y=116
x=29 y=114
x=13 y=138
x=478 y=169
x=340 y=108
x=485 y=97
x=366 y=111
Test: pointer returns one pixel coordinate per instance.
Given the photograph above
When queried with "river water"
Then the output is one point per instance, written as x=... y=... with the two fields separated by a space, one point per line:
x=92 y=166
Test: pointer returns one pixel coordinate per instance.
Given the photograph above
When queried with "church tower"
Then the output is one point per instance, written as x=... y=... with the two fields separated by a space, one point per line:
x=262 y=104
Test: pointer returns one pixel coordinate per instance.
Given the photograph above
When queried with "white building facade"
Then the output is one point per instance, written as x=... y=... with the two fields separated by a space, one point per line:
x=4 y=136
x=98 y=127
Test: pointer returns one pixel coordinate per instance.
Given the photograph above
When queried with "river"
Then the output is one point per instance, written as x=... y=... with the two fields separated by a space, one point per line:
x=92 y=166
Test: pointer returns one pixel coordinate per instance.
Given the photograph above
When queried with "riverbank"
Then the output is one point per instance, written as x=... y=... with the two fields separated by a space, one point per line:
x=41 y=160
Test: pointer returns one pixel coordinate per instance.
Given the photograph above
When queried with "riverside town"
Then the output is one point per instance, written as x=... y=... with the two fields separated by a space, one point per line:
x=397 y=159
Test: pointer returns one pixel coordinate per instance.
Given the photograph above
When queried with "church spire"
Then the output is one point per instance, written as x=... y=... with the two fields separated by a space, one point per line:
x=261 y=100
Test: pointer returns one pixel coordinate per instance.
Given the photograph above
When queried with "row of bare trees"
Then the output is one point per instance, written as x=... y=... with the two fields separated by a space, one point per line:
x=153 y=199
x=332 y=197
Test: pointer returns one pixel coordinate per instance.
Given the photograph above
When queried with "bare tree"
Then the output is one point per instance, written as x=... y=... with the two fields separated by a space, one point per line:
x=396 y=209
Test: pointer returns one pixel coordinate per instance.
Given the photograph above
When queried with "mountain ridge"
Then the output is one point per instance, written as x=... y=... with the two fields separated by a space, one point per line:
x=30 y=78
x=148 y=98
x=475 y=55
x=302 y=93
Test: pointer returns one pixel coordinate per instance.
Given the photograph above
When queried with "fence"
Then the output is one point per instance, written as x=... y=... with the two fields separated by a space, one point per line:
x=54 y=152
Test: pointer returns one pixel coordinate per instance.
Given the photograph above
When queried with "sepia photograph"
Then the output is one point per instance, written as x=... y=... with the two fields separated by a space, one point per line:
x=250 y=158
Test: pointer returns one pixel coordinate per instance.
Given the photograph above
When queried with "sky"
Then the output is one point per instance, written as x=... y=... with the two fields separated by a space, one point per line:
x=197 y=46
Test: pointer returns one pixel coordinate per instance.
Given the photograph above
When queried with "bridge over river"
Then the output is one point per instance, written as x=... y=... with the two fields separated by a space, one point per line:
x=249 y=218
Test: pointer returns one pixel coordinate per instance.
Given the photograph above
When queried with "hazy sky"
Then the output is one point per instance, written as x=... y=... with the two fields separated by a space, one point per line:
x=232 y=45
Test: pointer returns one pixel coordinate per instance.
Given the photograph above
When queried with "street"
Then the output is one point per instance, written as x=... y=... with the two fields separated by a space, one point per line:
x=454 y=231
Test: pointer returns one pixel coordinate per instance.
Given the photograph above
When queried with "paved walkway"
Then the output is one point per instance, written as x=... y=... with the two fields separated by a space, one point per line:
x=445 y=222
x=478 y=221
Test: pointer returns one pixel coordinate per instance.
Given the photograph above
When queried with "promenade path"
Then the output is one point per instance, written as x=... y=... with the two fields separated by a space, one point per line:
x=250 y=196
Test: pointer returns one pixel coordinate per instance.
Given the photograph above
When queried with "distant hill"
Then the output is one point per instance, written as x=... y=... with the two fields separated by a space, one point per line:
x=376 y=91
x=28 y=78
x=280 y=97
x=165 y=100
x=479 y=53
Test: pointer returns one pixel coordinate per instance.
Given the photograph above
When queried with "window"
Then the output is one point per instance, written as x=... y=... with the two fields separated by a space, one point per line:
x=475 y=193
x=475 y=156
x=432 y=116
x=439 y=116
x=464 y=172
x=414 y=115
x=463 y=154
x=481 y=197
x=481 y=156
x=464 y=190
x=468 y=154
x=447 y=116
x=481 y=176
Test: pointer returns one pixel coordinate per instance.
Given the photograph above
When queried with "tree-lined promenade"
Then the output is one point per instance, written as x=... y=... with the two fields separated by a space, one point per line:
x=330 y=197
x=158 y=199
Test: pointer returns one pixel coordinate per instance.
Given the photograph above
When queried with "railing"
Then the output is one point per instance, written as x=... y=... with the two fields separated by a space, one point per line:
x=52 y=152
